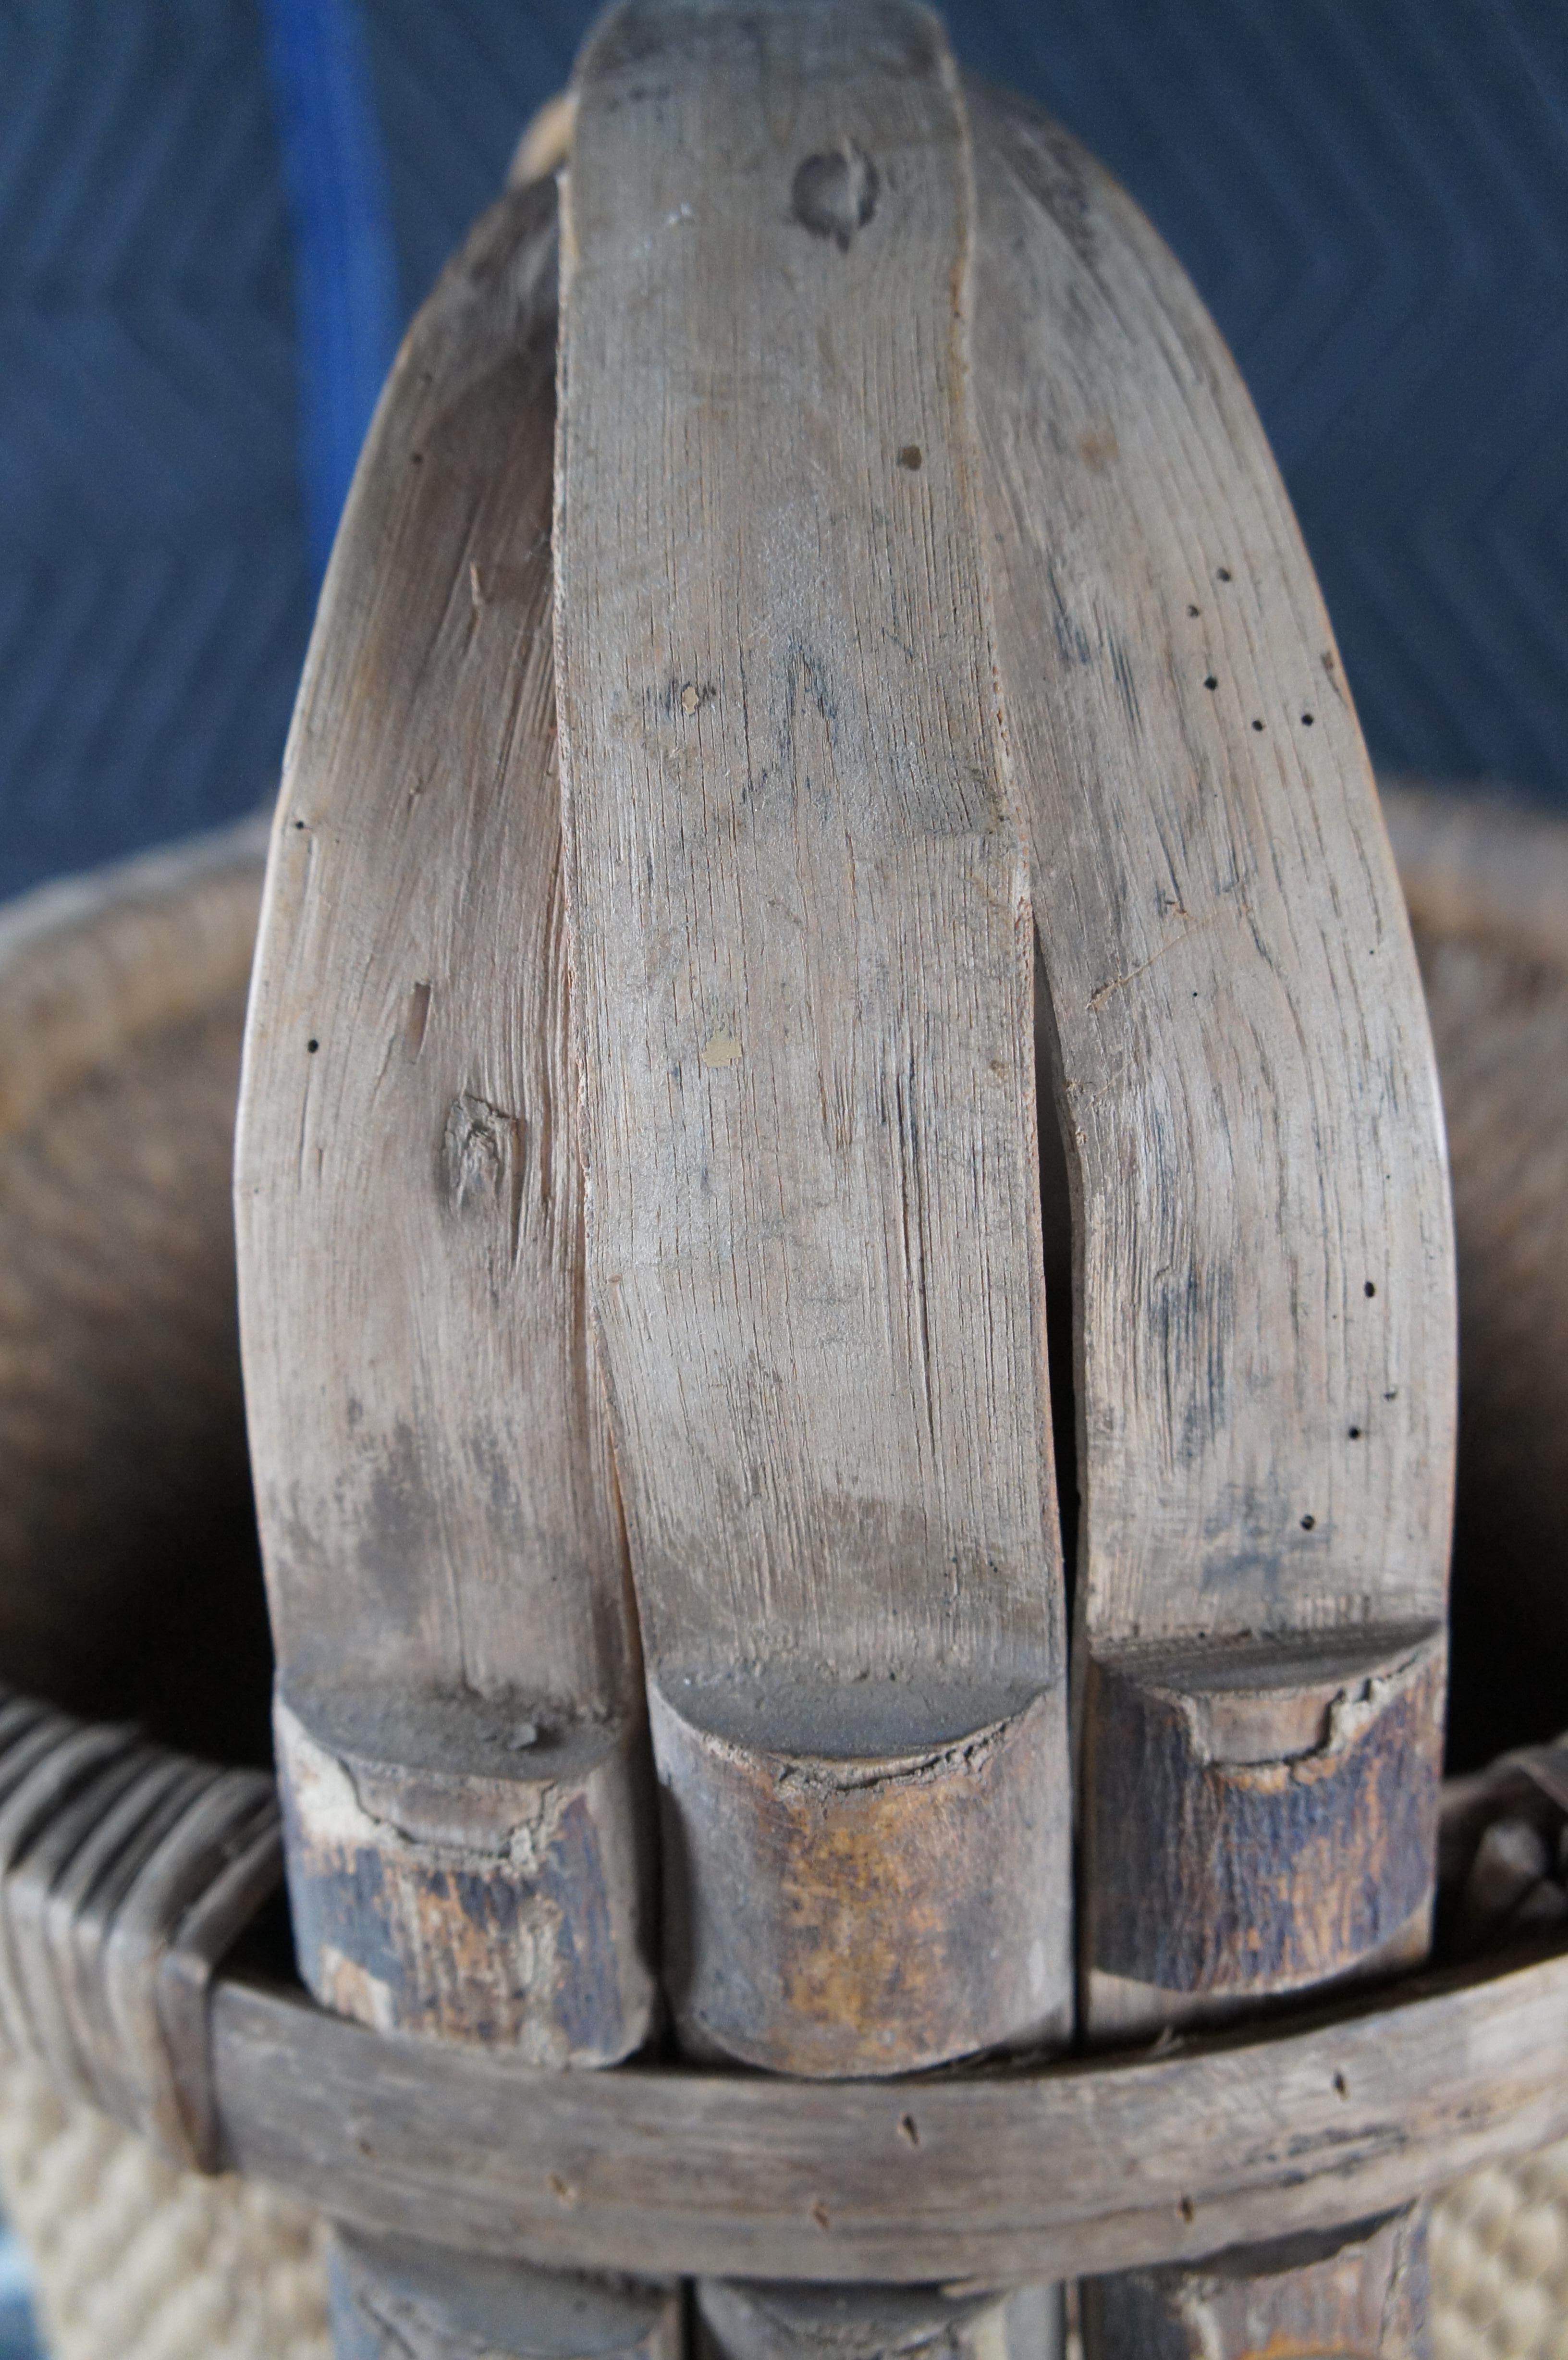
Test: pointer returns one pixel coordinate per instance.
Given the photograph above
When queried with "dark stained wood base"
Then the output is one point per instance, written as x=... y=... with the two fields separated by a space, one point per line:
x=845 y=1916
x=1359 y=2296
x=1260 y=1817
x=413 y=1883
x=395 y=2299
x=740 y=2321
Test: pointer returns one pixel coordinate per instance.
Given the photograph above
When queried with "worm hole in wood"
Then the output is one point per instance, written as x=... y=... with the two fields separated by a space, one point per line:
x=834 y=195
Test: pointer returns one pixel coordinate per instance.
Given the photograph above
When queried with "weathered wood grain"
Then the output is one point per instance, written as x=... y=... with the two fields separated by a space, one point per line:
x=1093 y=2164
x=791 y=2322
x=1263 y=1241
x=461 y=1728
x=1264 y=1253
x=397 y=2299
x=803 y=939
x=1346 y=2297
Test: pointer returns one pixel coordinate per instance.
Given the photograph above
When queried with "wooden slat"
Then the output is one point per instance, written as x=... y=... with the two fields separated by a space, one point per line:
x=804 y=938
x=1094 y=2164
x=1265 y=1263
x=461 y=1734
x=58 y=1902
x=781 y=2322
x=397 y=2299
x=46 y=1779
x=193 y=1893
x=1344 y=2298
x=1248 y=1089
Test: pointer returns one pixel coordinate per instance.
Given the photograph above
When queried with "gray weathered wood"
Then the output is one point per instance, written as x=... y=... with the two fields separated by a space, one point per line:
x=1264 y=1252
x=1265 y=1261
x=460 y=1727
x=397 y=2299
x=1091 y=2164
x=791 y=2322
x=1346 y=2297
x=805 y=943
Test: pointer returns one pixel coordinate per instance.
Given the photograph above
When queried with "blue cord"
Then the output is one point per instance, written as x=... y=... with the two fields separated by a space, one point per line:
x=345 y=261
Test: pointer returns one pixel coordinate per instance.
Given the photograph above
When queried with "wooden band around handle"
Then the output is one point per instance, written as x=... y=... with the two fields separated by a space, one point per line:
x=1356 y=2295
x=435 y=1890
x=126 y=1874
x=1261 y=1821
x=742 y=2321
x=393 y=2299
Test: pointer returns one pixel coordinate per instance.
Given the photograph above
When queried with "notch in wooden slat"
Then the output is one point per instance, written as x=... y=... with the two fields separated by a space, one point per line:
x=460 y=1727
x=1265 y=1270
x=803 y=939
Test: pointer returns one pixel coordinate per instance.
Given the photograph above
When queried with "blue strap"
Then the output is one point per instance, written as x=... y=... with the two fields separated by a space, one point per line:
x=345 y=261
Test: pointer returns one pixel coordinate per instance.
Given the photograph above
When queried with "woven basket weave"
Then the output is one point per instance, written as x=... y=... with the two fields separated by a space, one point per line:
x=129 y=1582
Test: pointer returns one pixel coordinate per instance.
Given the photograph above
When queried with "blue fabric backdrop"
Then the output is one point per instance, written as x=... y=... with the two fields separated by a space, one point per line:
x=214 y=216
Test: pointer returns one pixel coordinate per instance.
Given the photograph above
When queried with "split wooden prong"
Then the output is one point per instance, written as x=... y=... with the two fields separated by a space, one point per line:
x=1264 y=1266
x=804 y=945
x=461 y=1734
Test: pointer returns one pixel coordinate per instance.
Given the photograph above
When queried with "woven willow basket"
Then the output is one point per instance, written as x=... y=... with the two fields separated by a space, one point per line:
x=131 y=1580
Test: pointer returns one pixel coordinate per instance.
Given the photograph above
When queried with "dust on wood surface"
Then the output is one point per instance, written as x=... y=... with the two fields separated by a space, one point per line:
x=1263 y=1246
x=1247 y=1078
x=803 y=939
x=461 y=1719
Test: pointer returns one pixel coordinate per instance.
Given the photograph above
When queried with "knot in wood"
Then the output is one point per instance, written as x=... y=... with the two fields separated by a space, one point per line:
x=834 y=195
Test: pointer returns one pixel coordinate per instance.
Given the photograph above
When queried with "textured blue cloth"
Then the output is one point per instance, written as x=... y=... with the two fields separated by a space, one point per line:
x=345 y=263
x=214 y=214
